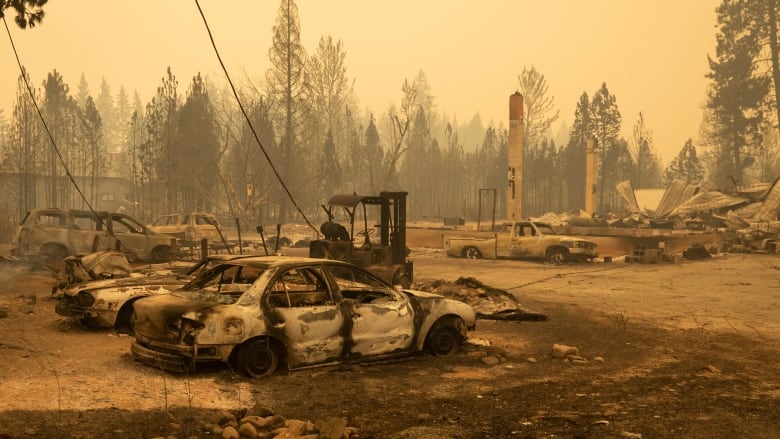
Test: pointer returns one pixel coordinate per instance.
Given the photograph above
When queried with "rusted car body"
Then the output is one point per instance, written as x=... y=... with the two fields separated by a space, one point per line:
x=108 y=303
x=261 y=312
x=58 y=233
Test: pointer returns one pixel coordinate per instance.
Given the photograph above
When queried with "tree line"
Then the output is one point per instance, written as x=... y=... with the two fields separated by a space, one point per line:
x=197 y=152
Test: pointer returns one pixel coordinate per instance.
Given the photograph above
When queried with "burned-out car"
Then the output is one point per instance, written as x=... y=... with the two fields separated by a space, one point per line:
x=262 y=313
x=108 y=303
x=57 y=233
x=190 y=228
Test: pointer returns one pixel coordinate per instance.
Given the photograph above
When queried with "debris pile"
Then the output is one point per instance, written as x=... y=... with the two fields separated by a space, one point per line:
x=489 y=303
x=686 y=206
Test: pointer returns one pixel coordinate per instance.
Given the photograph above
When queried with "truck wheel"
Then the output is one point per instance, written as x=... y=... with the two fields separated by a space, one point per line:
x=160 y=254
x=557 y=256
x=54 y=251
x=472 y=253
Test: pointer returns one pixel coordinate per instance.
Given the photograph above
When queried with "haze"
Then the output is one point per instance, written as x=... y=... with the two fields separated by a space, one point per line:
x=652 y=55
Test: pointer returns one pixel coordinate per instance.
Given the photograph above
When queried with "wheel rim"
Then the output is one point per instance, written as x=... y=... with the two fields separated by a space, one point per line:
x=259 y=359
x=444 y=341
x=557 y=257
x=472 y=253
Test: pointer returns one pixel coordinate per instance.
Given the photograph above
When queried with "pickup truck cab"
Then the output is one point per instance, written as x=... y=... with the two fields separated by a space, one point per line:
x=522 y=239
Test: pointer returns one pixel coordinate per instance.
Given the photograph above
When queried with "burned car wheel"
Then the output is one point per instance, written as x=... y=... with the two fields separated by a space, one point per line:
x=557 y=256
x=160 y=254
x=258 y=358
x=444 y=338
x=472 y=253
x=54 y=251
x=125 y=320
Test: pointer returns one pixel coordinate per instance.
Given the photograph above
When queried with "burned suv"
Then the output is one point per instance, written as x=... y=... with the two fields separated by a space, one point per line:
x=58 y=233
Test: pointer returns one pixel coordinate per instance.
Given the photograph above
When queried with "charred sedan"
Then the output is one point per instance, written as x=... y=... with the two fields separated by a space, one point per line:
x=108 y=303
x=262 y=313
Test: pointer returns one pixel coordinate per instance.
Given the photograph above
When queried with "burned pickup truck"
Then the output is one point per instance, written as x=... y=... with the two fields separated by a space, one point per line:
x=521 y=239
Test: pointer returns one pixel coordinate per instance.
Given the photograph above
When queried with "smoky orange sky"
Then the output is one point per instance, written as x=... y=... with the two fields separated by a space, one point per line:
x=651 y=54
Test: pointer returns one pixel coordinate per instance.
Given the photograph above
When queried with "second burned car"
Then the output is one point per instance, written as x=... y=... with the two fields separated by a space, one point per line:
x=261 y=313
x=108 y=303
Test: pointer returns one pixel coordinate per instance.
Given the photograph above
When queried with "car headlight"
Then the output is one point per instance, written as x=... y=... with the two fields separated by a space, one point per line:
x=234 y=327
x=190 y=329
x=85 y=299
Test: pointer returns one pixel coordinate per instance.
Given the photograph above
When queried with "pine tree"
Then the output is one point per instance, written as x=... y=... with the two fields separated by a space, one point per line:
x=606 y=129
x=686 y=166
x=28 y=12
x=287 y=90
x=648 y=173
x=330 y=92
x=574 y=154
x=83 y=91
x=539 y=115
x=329 y=172
x=373 y=154
x=195 y=152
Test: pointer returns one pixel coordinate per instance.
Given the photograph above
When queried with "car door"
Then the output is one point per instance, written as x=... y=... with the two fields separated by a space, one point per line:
x=303 y=309
x=381 y=318
x=522 y=240
x=132 y=235
x=88 y=232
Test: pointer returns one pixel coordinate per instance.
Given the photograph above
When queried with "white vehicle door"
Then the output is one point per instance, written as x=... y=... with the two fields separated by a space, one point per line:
x=302 y=306
x=382 y=319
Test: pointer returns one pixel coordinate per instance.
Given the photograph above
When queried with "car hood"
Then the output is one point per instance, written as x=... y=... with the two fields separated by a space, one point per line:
x=160 y=316
x=166 y=306
x=421 y=294
x=123 y=282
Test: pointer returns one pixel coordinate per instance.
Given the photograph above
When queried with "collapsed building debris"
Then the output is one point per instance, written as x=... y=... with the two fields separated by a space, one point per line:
x=742 y=218
x=105 y=264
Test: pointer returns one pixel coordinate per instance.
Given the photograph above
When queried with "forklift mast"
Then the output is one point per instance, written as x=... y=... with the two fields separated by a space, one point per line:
x=386 y=258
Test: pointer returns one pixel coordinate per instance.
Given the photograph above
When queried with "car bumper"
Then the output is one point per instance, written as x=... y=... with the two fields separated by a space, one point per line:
x=583 y=253
x=176 y=357
x=100 y=319
x=171 y=362
x=70 y=310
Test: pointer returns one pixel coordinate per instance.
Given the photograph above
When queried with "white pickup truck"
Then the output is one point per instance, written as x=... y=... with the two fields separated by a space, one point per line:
x=522 y=239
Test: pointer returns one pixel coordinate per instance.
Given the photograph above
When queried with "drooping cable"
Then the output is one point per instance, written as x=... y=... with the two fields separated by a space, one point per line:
x=48 y=132
x=248 y=121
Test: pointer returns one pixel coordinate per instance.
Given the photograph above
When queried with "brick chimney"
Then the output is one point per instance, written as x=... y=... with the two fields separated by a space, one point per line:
x=514 y=195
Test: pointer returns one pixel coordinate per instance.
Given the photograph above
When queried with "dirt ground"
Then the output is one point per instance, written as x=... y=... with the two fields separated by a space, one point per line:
x=685 y=350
